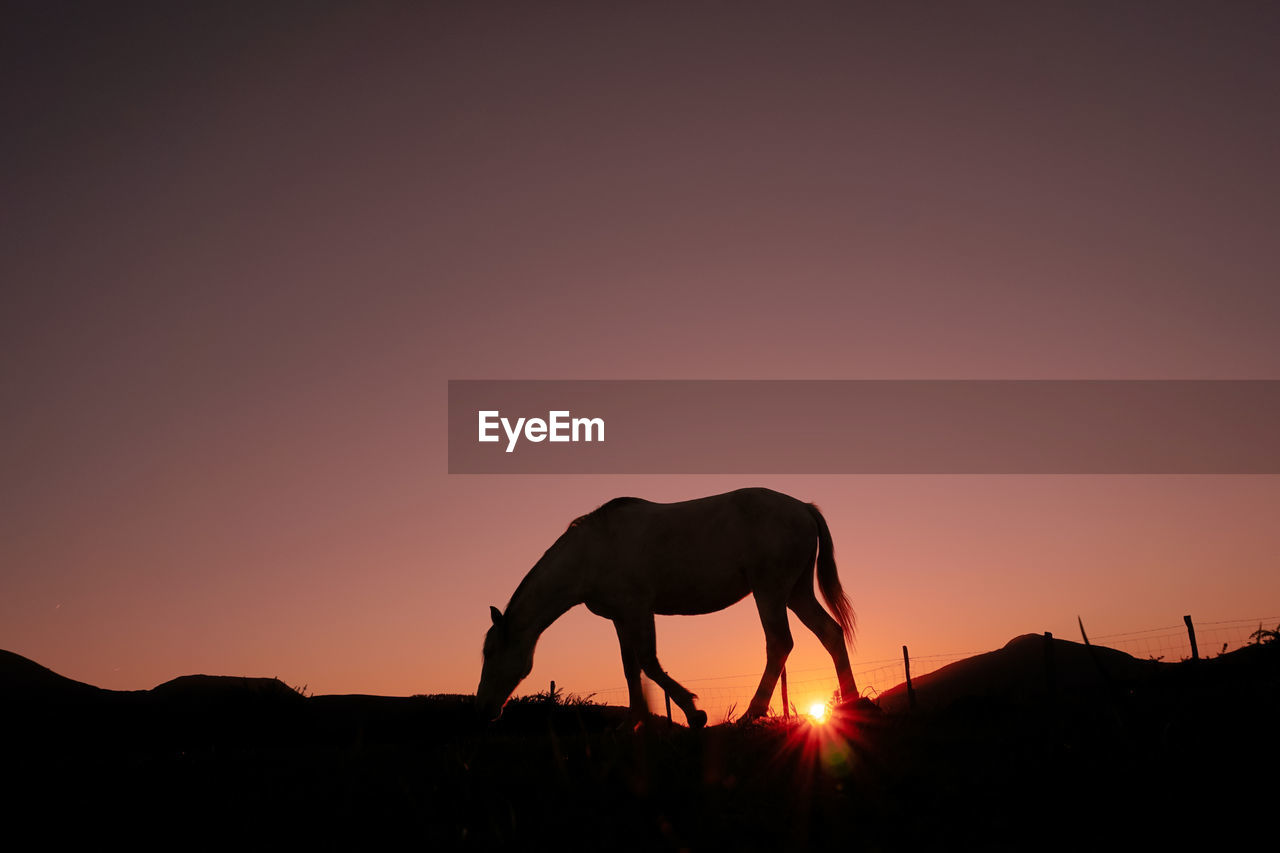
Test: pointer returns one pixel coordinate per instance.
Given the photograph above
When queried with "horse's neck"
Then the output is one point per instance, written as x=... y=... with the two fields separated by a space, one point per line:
x=548 y=591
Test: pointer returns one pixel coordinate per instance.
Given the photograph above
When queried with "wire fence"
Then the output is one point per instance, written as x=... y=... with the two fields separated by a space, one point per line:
x=1172 y=642
x=726 y=696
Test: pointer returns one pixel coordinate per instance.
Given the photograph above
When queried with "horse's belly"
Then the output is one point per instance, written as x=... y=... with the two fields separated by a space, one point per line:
x=687 y=570
x=689 y=597
x=695 y=607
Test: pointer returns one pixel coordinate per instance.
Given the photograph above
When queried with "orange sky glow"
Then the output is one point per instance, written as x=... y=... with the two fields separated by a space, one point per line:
x=244 y=253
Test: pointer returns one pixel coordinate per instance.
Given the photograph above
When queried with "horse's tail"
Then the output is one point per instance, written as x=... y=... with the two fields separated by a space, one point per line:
x=829 y=578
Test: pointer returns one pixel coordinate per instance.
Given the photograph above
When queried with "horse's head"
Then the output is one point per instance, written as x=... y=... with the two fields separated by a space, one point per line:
x=507 y=660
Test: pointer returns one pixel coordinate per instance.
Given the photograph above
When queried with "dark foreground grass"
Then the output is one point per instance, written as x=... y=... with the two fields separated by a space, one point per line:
x=1190 y=758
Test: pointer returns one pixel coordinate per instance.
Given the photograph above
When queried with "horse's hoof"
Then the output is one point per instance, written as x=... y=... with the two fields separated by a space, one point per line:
x=697 y=719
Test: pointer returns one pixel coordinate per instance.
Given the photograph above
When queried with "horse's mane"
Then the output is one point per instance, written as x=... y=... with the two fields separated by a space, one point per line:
x=583 y=521
x=588 y=520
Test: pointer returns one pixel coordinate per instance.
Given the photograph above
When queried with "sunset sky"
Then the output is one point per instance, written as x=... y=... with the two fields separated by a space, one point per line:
x=244 y=249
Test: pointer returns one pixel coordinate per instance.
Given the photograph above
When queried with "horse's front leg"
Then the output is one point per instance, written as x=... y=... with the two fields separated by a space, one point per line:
x=637 y=633
x=631 y=669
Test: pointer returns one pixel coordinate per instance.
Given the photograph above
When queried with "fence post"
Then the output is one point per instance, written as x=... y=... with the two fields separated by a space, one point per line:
x=552 y=694
x=1093 y=657
x=1191 y=632
x=786 y=705
x=911 y=691
x=668 y=695
x=1050 y=675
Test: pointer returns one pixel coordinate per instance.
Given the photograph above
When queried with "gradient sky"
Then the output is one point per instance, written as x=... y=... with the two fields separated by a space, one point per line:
x=243 y=250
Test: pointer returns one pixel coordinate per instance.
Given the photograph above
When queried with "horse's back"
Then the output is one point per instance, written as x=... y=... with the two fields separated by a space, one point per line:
x=739 y=513
x=704 y=554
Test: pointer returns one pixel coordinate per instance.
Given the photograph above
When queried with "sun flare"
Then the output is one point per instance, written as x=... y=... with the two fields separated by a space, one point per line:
x=818 y=711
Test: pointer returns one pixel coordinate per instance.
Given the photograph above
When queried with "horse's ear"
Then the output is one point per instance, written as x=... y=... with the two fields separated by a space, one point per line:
x=496 y=615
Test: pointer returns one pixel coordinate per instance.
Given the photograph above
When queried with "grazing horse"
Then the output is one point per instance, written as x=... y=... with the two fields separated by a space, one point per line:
x=632 y=558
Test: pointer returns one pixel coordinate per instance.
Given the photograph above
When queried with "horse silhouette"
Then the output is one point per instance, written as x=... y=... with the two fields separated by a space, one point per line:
x=632 y=558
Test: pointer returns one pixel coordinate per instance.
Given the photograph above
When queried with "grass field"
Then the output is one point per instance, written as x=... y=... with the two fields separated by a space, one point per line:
x=1188 y=753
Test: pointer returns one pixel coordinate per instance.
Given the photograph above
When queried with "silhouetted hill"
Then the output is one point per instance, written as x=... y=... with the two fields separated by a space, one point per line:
x=1020 y=671
x=22 y=678
x=226 y=689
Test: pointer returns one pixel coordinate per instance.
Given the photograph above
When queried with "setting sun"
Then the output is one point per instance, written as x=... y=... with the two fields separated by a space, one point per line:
x=818 y=711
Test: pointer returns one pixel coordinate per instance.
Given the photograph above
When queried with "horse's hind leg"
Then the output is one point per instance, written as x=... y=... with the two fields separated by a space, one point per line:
x=638 y=634
x=805 y=605
x=778 y=643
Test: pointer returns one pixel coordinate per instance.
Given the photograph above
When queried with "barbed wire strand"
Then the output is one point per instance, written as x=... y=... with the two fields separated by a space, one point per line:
x=881 y=674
